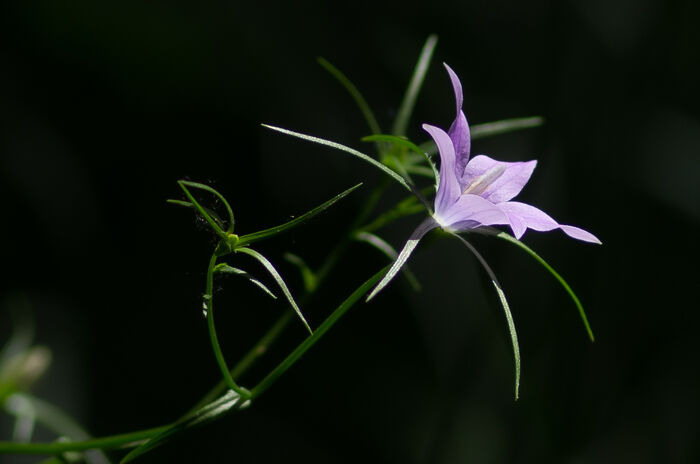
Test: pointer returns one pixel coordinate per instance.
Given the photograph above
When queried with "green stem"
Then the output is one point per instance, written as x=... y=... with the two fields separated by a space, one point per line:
x=114 y=441
x=262 y=345
x=312 y=339
x=209 y=308
x=259 y=349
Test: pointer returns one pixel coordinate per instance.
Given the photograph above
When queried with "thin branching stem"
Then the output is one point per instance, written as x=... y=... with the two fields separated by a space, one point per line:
x=110 y=442
x=209 y=308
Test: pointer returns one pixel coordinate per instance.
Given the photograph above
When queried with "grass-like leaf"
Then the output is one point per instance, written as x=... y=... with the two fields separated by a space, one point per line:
x=307 y=275
x=504 y=305
x=206 y=188
x=209 y=211
x=278 y=278
x=411 y=244
x=207 y=413
x=386 y=249
x=560 y=279
x=256 y=236
x=203 y=211
x=513 y=335
x=409 y=99
x=506 y=125
x=408 y=144
x=224 y=268
x=354 y=93
x=406 y=207
x=352 y=151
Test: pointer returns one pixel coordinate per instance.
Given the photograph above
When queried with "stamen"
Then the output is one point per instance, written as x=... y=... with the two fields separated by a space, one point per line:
x=480 y=183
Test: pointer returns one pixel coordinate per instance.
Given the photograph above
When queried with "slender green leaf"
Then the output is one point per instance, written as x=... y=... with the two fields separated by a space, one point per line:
x=560 y=279
x=208 y=413
x=411 y=244
x=206 y=188
x=513 y=335
x=278 y=278
x=506 y=125
x=307 y=275
x=338 y=146
x=504 y=305
x=256 y=236
x=209 y=211
x=408 y=144
x=421 y=171
x=354 y=93
x=393 y=161
x=218 y=229
x=383 y=246
x=409 y=99
x=406 y=207
x=224 y=268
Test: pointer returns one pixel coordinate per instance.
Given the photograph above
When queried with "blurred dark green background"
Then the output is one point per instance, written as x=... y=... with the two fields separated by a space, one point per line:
x=104 y=105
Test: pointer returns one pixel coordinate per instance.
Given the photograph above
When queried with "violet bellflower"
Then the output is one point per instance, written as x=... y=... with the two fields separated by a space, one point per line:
x=477 y=192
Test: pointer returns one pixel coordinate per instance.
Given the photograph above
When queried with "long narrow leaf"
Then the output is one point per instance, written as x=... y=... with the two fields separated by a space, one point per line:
x=214 y=225
x=507 y=125
x=206 y=188
x=278 y=278
x=409 y=99
x=506 y=310
x=188 y=204
x=560 y=279
x=338 y=146
x=256 y=236
x=207 y=413
x=224 y=268
x=411 y=244
x=406 y=207
x=408 y=144
x=307 y=275
x=513 y=335
x=354 y=93
x=383 y=246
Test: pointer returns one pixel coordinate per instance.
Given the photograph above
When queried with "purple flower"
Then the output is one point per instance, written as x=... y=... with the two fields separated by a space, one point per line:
x=477 y=192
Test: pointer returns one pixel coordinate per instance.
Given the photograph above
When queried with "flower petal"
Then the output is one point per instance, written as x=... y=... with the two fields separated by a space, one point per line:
x=448 y=191
x=470 y=212
x=523 y=214
x=497 y=181
x=459 y=130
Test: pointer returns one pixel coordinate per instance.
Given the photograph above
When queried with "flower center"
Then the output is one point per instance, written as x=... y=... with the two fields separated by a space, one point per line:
x=477 y=185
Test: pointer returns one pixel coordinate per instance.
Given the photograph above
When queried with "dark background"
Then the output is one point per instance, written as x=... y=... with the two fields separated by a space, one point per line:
x=103 y=106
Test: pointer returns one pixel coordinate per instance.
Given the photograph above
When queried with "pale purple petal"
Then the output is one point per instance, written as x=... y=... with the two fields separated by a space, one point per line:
x=459 y=129
x=533 y=218
x=448 y=190
x=457 y=86
x=497 y=181
x=580 y=234
x=469 y=212
x=459 y=133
